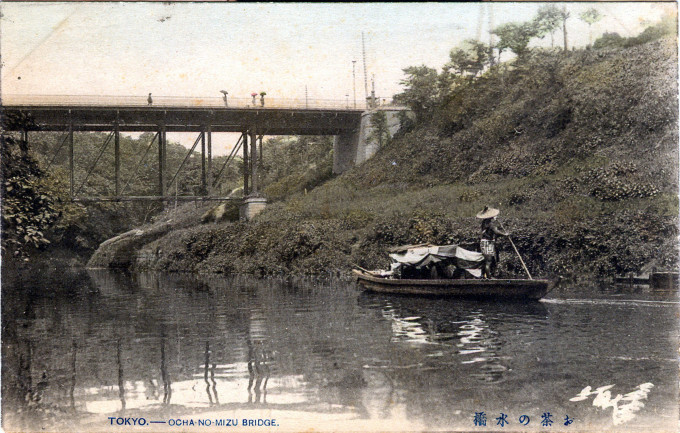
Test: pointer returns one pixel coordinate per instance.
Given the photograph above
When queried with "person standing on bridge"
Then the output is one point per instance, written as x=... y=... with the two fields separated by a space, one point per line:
x=487 y=243
x=149 y=100
x=262 y=98
x=225 y=93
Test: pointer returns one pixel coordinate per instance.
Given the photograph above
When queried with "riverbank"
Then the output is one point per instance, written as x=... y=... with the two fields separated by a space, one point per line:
x=282 y=242
x=578 y=150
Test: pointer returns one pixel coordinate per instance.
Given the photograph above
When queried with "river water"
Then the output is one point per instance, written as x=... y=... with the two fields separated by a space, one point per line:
x=86 y=350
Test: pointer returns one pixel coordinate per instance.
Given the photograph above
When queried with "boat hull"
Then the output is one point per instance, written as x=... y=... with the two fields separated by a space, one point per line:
x=496 y=289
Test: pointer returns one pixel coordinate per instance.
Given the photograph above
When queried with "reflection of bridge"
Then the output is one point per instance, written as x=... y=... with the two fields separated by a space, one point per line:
x=252 y=118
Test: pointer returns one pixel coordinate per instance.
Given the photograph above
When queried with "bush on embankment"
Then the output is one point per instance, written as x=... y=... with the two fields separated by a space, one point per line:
x=578 y=149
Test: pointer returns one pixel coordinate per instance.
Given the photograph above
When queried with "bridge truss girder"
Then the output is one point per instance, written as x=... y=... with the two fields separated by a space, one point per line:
x=252 y=124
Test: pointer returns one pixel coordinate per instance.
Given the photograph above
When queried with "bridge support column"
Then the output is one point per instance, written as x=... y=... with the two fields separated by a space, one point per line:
x=116 y=155
x=204 y=184
x=253 y=159
x=161 y=160
x=253 y=203
x=246 y=164
x=210 y=177
x=70 y=155
x=345 y=151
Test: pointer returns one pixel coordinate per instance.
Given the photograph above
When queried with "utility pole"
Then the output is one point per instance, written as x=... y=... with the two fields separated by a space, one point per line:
x=354 y=81
x=373 y=104
x=363 y=50
x=565 y=15
x=480 y=20
x=490 y=11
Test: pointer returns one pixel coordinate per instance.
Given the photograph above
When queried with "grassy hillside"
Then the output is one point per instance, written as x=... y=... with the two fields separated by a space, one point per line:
x=578 y=150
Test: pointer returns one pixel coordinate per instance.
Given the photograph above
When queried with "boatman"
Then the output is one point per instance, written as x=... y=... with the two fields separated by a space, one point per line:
x=487 y=244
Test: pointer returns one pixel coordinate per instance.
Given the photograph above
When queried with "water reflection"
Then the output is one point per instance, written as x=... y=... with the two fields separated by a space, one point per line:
x=172 y=346
x=121 y=380
x=167 y=386
x=461 y=332
x=210 y=385
x=72 y=389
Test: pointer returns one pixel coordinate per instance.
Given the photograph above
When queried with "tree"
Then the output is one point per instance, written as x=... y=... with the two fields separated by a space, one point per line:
x=547 y=21
x=380 y=131
x=667 y=26
x=471 y=56
x=591 y=16
x=608 y=40
x=27 y=210
x=564 y=16
x=515 y=36
x=421 y=90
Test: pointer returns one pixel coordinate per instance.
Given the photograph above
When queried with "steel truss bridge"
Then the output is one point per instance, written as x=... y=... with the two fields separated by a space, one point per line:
x=251 y=117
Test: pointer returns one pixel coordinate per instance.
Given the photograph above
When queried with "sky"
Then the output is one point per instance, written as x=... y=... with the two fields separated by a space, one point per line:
x=197 y=49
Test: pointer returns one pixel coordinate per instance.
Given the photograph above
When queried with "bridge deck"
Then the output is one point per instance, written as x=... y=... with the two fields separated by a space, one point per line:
x=99 y=113
x=267 y=122
x=179 y=102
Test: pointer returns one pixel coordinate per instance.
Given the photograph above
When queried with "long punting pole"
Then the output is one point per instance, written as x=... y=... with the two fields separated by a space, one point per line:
x=518 y=254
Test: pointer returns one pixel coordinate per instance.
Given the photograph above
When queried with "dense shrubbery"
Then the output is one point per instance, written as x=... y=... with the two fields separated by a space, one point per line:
x=28 y=210
x=292 y=165
x=580 y=238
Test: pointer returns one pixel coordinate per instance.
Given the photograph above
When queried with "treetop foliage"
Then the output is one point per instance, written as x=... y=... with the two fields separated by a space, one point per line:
x=667 y=26
x=515 y=36
x=469 y=57
x=421 y=90
x=426 y=89
x=591 y=16
x=547 y=20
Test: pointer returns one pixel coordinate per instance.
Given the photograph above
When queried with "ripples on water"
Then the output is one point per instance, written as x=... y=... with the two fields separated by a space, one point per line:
x=80 y=347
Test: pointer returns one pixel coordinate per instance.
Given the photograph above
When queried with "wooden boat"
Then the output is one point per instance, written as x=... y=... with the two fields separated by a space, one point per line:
x=656 y=280
x=468 y=288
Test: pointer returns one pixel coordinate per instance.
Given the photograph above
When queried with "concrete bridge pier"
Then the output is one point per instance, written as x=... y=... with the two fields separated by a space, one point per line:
x=361 y=143
x=251 y=206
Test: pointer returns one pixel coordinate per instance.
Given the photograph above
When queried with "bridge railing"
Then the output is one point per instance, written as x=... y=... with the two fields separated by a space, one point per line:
x=181 y=102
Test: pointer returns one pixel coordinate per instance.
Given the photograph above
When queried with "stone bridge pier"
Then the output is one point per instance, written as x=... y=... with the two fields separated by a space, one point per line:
x=357 y=145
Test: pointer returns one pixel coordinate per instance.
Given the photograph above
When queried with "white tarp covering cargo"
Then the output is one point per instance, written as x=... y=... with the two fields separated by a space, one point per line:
x=420 y=256
x=423 y=256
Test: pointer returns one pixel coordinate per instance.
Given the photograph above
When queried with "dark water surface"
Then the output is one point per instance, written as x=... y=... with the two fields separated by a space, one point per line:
x=79 y=347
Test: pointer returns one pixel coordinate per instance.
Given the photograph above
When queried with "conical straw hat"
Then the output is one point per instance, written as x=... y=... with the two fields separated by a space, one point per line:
x=488 y=212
